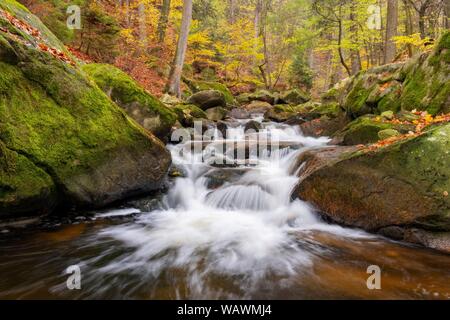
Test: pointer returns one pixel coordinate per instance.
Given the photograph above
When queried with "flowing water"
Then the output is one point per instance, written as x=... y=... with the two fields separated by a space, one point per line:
x=227 y=231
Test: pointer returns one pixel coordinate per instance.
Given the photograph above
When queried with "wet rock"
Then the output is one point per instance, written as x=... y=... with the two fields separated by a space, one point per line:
x=218 y=177
x=78 y=148
x=223 y=128
x=208 y=99
x=253 y=125
x=403 y=184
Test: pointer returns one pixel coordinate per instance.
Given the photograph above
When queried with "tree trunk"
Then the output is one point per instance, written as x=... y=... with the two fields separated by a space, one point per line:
x=447 y=14
x=174 y=83
x=409 y=25
x=232 y=12
x=163 y=20
x=355 y=55
x=341 y=52
x=390 y=49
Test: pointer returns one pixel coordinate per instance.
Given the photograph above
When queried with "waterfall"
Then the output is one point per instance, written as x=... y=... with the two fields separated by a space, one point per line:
x=245 y=228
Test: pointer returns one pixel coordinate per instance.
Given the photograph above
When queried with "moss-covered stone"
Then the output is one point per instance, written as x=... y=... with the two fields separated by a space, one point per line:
x=147 y=110
x=427 y=81
x=60 y=121
x=22 y=13
x=281 y=113
x=24 y=187
x=365 y=130
x=197 y=86
x=406 y=183
x=294 y=97
x=187 y=113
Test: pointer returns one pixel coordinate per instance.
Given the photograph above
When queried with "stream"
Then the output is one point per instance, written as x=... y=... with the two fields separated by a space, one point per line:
x=226 y=231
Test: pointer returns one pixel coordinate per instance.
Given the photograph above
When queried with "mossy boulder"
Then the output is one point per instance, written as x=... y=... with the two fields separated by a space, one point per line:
x=324 y=125
x=365 y=130
x=403 y=184
x=65 y=136
x=427 y=82
x=281 y=113
x=294 y=97
x=370 y=88
x=256 y=107
x=216 y=114
x=197 y=86
x=208 y=99
x=422 y=83
x=188 y=113
x=140 y=105
x=263 y=95
x=24 y=186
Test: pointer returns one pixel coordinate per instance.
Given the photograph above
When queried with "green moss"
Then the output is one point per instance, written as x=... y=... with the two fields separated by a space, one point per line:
x=22 y=183
x=139 y=104
x=423 y=163
x=186 y=113
x=390 y=102
x=355 y=102
x=331 y=109
x=22 y=13
x=197 y=86
x=365 y=130
x=63 y=121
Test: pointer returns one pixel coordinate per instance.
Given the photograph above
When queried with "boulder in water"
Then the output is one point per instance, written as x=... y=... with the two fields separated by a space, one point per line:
x=403 y=184
x=253 y=125
x=256 y=107
x=216 y=114
x=239 y=114
x=367 y=129
x=140 y=105
x=63 y=141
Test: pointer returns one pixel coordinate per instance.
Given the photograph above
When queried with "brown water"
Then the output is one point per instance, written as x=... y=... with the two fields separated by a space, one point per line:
x=219 y=233
x=32 y=266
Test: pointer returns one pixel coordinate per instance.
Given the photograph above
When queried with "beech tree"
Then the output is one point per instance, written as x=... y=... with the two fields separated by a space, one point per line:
x=163 y=20
x=174 y=83
x=391 y=30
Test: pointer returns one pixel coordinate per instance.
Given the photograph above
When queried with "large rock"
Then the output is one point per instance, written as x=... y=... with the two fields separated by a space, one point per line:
x=239 y=113
x=208 y=99
x=63 y=141
x=197 y=86
x=260 y=95
x=140 y=105
x=281 y=113
x=256 y=107
x=294 y=97
x=325 y=126
x=216 y=114
x=367 y=129
x=405 y=184
x=188 y=113
x=422 y=83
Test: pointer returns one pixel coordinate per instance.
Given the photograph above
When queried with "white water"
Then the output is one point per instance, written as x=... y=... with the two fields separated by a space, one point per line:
x=248 y=228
